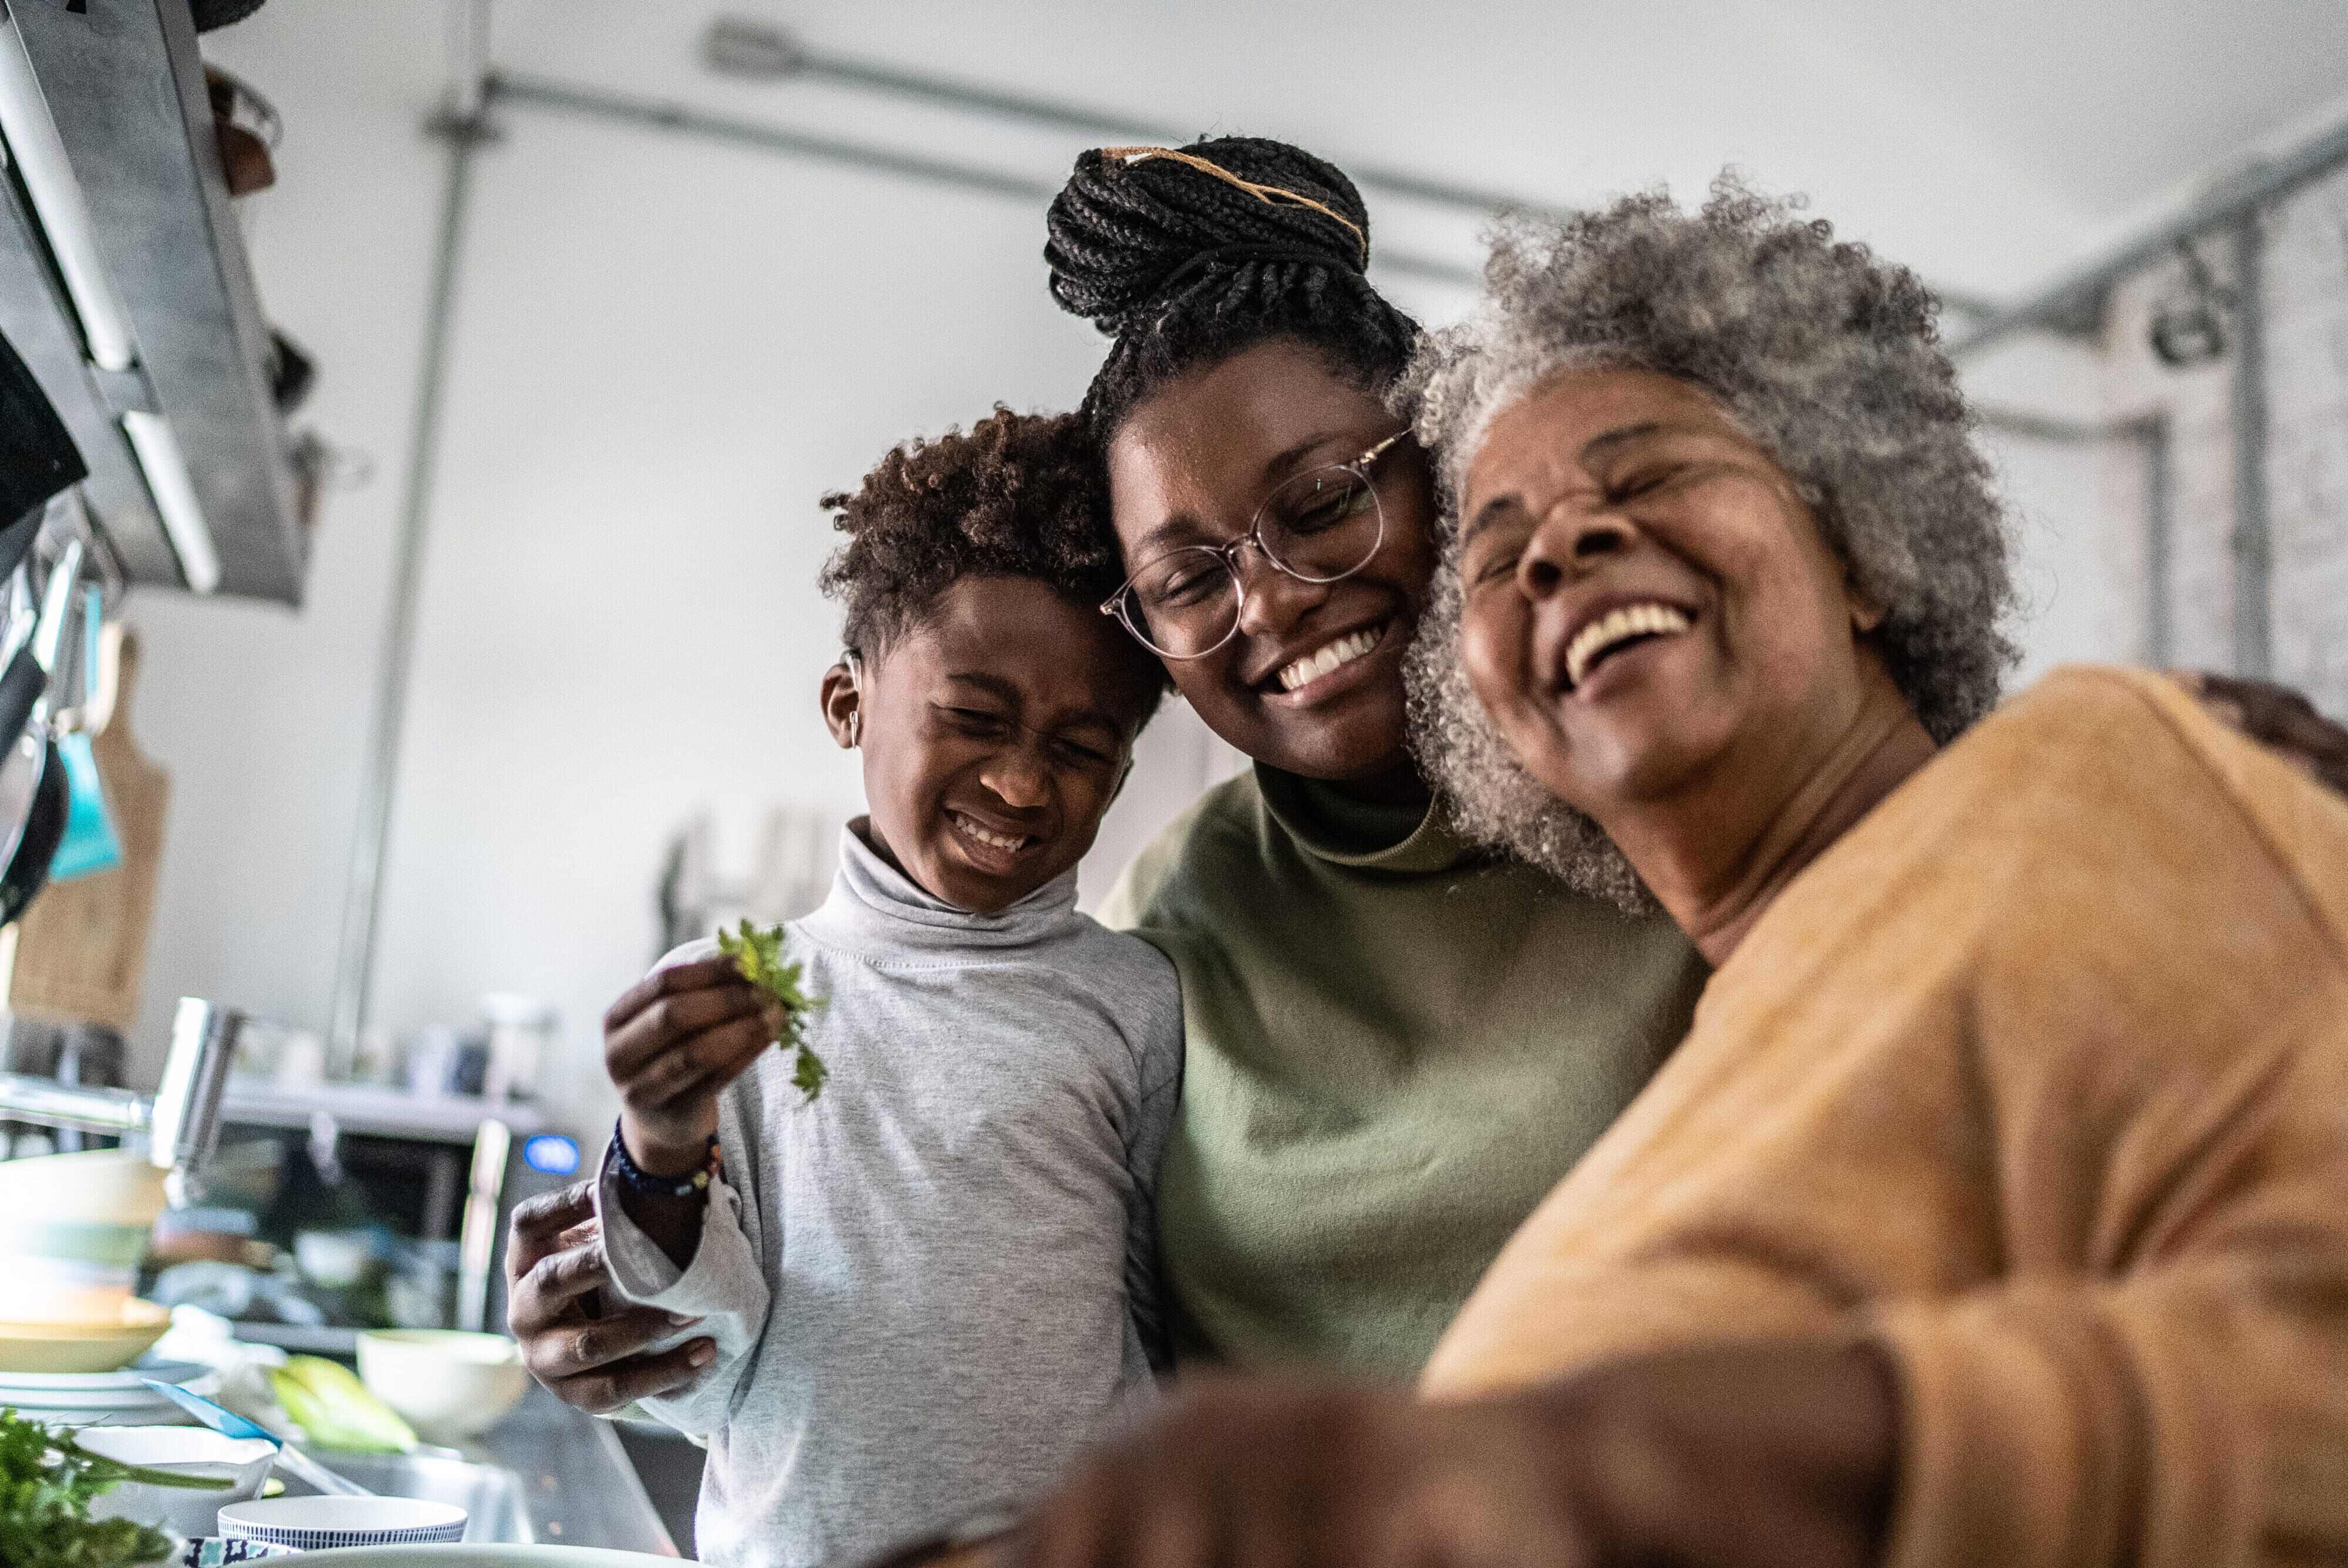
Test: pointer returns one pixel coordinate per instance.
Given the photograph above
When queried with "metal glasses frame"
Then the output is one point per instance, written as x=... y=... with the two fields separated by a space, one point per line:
x=1119 y=604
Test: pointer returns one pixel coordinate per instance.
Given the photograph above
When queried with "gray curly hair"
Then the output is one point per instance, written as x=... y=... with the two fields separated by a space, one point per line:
x=1829 y=358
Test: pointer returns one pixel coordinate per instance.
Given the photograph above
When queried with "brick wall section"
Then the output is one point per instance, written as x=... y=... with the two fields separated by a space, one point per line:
x=2306 y=300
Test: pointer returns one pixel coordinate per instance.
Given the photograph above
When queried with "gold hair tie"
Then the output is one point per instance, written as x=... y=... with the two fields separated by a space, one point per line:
x=1270 y=195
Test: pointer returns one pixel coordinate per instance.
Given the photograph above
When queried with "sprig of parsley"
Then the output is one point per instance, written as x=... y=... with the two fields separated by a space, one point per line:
x=757 y=955
x=46 y=1485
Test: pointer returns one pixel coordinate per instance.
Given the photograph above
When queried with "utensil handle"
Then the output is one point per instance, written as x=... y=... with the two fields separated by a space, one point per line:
x=21 y=685
x=318 y=1475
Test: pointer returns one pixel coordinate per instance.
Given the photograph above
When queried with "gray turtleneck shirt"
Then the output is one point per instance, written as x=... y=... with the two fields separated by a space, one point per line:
x=929 y=1287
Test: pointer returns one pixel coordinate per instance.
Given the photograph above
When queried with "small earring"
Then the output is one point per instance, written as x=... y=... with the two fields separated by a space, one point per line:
x=856 y=683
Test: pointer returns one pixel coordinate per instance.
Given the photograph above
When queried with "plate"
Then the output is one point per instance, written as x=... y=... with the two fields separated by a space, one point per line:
x=122 y=1379
x=138 y=1416
x=86 y=1402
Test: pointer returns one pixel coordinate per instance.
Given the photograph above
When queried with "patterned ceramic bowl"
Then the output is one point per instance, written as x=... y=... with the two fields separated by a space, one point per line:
x=316 y=1523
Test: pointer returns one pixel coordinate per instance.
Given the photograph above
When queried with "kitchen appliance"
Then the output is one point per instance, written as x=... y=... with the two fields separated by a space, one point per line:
x=436 y=1171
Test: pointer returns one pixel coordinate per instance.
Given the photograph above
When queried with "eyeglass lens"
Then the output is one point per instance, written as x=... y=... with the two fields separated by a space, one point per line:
x=1318 y=527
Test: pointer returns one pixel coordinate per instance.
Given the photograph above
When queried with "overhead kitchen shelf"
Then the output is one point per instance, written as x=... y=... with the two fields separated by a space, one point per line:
x=125 y=286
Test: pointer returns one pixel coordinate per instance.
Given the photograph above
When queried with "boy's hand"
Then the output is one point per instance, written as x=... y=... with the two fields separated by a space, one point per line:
x=676 y=1038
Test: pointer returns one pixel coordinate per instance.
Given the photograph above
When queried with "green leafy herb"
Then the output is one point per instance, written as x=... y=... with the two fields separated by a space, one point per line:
x=46 y=1485
x=758 y=954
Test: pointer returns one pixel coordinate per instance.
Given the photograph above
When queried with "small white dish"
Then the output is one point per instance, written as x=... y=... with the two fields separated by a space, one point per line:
x=242 y=1462
x=446 y=1383
x=316 y=1523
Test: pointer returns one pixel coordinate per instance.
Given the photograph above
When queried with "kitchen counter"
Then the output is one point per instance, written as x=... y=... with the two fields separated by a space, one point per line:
x=580 y=1489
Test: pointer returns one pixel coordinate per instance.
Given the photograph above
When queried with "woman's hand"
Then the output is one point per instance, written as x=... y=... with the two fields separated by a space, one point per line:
x=671 y=1042
x=2277 y=717
x=595 y=1361
x=1728 y=1456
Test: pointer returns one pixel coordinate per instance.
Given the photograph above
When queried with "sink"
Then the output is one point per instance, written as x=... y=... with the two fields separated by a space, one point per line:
x=491 y=1495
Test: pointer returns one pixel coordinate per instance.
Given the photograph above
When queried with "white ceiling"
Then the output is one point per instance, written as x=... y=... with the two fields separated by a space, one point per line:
x=1991 y=144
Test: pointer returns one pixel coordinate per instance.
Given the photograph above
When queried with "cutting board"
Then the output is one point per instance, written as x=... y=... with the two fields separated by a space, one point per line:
x=81 y=947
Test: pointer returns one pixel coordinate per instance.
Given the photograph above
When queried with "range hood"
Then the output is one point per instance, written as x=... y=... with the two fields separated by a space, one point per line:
x=125 y=286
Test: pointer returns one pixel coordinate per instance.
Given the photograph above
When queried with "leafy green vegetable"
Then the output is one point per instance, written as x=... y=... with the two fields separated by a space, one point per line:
x=46 y=1485
x=326 y=1401
x=758 y=954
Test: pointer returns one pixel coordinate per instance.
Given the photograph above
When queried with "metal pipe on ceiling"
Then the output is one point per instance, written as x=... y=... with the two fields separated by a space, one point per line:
x=665 y=114
x=2076 y=302
x=739 y=47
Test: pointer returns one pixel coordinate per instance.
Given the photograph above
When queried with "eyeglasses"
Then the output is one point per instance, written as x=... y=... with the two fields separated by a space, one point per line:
x=1321 y=525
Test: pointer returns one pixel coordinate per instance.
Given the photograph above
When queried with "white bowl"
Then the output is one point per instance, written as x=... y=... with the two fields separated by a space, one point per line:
x=315 y=1523
x=242 y=1462
x=334 y=1260
x=449 y=1384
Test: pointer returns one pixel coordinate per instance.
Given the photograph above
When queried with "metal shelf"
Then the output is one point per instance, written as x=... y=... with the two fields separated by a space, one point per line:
x=375 y=1111
x=124 y=82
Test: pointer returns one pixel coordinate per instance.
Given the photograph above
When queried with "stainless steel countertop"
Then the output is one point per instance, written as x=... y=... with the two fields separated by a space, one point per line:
x=582 y=1489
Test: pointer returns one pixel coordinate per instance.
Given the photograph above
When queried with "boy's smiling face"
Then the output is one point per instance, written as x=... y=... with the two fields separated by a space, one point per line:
x=996 y=732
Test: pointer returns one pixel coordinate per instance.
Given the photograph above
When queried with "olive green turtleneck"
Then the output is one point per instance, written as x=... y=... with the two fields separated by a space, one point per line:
x=1394 y=1047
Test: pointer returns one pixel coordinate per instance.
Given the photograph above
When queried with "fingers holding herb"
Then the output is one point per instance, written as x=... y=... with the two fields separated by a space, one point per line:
x=757 y=955
x=696 y=1069
x=675 y=980
x=668 y=1021
x=670 y=1045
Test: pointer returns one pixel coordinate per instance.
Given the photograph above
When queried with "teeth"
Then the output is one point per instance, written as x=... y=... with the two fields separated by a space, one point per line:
x=1615 y=626
x=1345 y=650
x=995 y=840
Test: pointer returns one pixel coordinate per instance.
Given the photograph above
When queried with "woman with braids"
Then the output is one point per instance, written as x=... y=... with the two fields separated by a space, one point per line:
x=1995 y=1210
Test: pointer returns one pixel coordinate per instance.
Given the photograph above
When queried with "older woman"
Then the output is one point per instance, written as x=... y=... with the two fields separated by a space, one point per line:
x=1995 y=1209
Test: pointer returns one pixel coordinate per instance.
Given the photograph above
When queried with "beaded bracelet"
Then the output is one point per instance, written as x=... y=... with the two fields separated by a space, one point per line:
x=637 y=1179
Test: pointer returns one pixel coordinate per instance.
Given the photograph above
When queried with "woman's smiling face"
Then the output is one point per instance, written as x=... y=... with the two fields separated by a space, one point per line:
x=1192 y=466
x=1648 y=600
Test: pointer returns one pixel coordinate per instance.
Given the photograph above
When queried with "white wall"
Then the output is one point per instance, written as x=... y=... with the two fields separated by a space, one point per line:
x=665 y=350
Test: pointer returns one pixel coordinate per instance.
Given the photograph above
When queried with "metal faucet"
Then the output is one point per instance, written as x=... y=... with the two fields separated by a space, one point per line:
x=181 y=1119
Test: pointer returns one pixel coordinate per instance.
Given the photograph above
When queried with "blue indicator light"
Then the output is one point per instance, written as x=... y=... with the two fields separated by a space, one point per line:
x=551 y=1154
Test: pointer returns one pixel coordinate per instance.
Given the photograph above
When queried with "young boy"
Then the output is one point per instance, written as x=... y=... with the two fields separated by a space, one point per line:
x=930 y=1284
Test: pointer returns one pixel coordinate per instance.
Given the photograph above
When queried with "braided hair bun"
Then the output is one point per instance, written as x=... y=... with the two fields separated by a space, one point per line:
x=1122 y=230
x=1186 y=256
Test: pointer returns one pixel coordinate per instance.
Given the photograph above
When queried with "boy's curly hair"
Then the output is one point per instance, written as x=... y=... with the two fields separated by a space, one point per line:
x=1017 y=495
